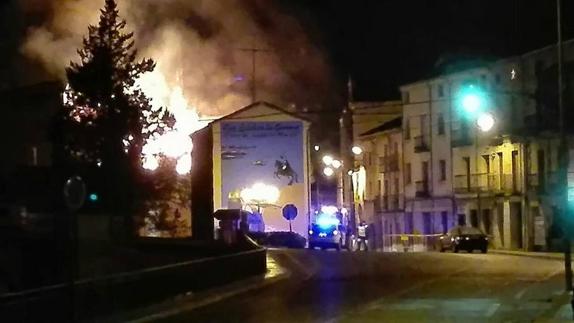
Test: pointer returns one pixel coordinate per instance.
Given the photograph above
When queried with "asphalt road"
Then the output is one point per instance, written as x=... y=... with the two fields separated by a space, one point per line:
x=328 y=286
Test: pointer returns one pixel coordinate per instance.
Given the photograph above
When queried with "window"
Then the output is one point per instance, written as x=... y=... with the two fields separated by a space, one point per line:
x=407 y=128
x=444 y=221
x=408 y=178
x=427 y=223
x=395 y=148
x=409 y=223
x=497 y=78
x=380 y=189
x=440 y=124
x=442 y=165
x=406 y=97
x=440 y=90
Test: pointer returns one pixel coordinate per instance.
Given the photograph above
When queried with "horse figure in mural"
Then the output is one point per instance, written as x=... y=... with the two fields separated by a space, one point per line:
x=283 y=168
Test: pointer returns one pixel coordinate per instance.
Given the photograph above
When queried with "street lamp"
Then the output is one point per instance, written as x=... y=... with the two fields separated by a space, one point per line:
x=485 y=122
x=357 y=150
x=328 y=160
x=328 y=171
x=316 y=148
x=336 y=163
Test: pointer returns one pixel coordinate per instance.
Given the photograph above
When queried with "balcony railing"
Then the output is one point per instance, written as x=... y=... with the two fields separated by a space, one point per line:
x=471 y=183
x=422 y=189
x=389 y=163
x=421 y=144
x=504 y=183
x=494 y=183
x=460 y=137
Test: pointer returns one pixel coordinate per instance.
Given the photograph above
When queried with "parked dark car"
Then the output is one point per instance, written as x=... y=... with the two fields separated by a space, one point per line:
x=463 y=238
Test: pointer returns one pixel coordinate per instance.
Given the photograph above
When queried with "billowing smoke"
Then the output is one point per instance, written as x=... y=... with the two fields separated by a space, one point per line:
x=199 y=47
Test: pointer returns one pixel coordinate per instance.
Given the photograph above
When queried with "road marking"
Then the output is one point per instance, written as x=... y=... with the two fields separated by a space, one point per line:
x=306 y=269
x=492 y=309
x=521 y=293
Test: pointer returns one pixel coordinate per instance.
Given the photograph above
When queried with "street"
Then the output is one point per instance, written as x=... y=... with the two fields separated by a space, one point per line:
x=326 y=286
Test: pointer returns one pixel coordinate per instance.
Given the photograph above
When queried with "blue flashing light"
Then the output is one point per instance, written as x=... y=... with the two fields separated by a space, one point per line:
x=93 y=197
x=325 y=222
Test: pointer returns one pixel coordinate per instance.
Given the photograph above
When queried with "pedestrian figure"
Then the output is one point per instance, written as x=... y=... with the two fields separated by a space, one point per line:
x=362 y=236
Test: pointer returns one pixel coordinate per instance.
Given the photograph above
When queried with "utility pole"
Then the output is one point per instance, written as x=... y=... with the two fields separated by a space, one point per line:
x=346 y=143
x=564 y=155
x=253 y=50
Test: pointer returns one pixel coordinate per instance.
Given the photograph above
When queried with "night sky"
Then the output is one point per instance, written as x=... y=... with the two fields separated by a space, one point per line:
x=386 y=43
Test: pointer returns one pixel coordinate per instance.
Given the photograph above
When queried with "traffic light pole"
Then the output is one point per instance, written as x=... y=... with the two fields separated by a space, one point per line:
x=564 y=155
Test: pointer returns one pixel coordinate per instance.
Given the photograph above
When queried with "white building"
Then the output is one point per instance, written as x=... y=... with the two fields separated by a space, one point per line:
x=502 y=180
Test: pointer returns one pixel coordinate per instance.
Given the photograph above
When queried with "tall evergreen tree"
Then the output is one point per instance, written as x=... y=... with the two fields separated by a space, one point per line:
x=106 y=117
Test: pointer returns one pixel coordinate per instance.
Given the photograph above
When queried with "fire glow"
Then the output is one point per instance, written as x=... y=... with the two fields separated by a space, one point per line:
x=176 y=142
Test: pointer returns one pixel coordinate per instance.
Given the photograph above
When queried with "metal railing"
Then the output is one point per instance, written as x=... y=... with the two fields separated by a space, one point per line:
x=471 y=183
x=421 y=144
x=504 y=183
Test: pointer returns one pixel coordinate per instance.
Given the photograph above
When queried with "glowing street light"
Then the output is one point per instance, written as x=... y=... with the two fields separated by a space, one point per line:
x=336 y=164
x=316 y=148
x=485 y=122
x=328 y=171
x=327 y=160
x=357 y=150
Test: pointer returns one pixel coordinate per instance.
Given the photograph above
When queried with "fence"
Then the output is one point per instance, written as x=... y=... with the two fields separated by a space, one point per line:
x=102 y=296
x=410 y=242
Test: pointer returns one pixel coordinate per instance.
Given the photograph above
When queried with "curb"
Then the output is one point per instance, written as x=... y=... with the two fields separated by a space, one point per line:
x=190 y=301
x=549 y=256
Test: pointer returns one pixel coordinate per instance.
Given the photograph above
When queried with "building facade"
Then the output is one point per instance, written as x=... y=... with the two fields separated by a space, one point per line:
x=503 y=180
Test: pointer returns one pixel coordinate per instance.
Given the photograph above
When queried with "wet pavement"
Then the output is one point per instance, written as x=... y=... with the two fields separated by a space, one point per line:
x=329 y=286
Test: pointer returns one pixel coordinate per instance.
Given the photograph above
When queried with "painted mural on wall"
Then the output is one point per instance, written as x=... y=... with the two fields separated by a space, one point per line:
x=263 y=152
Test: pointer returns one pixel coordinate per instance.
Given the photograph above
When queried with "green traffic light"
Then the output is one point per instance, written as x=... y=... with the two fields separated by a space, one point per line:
x=93 y=197
x=472 y=100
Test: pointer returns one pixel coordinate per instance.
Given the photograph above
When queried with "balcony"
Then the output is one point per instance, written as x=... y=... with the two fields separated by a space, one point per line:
x=471 y=183
x=421 y=144
x=389 y=163
x=504 y=183
x=422 y=189
x=460 y=137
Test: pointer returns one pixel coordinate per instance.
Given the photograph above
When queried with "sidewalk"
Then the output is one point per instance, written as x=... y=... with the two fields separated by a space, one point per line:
x=191 y=301
x=534 y=254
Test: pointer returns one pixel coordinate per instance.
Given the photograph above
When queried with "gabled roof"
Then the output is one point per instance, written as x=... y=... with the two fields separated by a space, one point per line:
x=393 y=124
x=266 y=104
